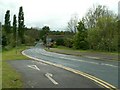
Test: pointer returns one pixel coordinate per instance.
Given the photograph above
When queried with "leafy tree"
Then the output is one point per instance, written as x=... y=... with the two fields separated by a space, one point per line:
x=14 y=28
x=93 y=14
x=102 y=29
x=118 y=28
x=7 y=22
x=80 y=37
x=60 y=41
x=4 y=40
x=21 y=25
x=68 y=42
x=7 y=28
x=31 y=36
x=44 y=32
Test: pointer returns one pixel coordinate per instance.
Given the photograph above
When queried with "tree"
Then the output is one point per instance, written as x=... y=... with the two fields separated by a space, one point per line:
x=7 y=22
x=93 y=15
x=14 y=26
x=44 y=32
x=102 y=29
x=14 y=29
x=21 y=25
x=80 y=37
x=7 y=28
x=73 y=23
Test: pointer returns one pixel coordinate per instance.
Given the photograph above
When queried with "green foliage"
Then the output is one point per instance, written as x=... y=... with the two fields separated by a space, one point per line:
x=9 y=74
x=21 y=25
x=80 y=42
x=31 y=36
x=29 y=40
x=7 y=22
x=103 y=34
x=14 y=30
x=14 y=26
x=68 y=42
x=93 y=14
x=44 y=32
x=80 y=37
x=60 y=42
x=4 y=40
x=7 y=29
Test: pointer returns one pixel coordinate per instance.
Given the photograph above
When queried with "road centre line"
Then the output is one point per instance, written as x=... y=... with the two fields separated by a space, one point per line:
x=93 y=78
x=71 y=59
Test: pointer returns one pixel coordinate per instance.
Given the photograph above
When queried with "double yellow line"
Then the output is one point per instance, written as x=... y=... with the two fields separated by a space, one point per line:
x=93 y=78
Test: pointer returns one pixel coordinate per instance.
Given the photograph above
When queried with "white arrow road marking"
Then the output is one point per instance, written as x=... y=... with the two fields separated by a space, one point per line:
x=49 y=76
x=34 y=67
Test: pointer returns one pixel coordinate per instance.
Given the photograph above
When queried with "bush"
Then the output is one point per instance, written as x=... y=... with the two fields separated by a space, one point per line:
x=80 y=42
x=68 y=42
x=60 y=42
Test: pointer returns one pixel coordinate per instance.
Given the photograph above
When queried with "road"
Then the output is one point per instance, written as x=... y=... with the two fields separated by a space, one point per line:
x=40 y=75
x=104 y=70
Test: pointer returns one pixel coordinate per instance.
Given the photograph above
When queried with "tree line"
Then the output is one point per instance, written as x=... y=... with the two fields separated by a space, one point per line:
x=12 y=35
x=97 y=30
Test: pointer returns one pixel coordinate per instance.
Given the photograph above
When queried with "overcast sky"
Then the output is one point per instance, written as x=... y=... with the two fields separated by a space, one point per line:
x=54 y=13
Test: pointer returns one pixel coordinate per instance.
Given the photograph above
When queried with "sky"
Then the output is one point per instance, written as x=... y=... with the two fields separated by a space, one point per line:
x=53 y=13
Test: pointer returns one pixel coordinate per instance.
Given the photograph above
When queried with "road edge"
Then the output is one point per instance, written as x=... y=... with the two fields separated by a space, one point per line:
x=93 y=78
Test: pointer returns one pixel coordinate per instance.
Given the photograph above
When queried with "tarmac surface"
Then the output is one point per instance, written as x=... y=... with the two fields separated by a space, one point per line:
x=102 y=69
x=36 y=74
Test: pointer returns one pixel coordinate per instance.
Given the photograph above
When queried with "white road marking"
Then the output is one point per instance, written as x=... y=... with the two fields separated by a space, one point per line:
x=95 y=79
x=34 y=67
x=109 y=65
x=42 y=52
x=49 y=76
x=92 y=57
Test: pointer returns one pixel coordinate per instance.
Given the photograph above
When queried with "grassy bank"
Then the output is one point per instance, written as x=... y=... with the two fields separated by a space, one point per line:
x=86 y=53
x=11 y=78
x=92 y=51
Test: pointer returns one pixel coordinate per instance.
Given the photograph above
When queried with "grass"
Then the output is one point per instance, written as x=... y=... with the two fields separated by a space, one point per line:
x=0 y=70
x=14 y=54
x=92 y=51
x=10 y=77
x=98 y=54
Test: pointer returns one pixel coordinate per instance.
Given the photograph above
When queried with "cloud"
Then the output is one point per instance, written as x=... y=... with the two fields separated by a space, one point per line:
x=55 y=13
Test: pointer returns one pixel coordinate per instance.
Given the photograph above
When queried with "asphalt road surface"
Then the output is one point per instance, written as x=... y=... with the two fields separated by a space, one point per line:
x=104 y=70
x=40 y=75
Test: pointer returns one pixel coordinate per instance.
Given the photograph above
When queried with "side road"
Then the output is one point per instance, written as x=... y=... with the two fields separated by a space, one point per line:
x=88 y=54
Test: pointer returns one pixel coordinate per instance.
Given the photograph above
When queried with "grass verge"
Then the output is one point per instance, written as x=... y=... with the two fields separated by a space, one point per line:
x=92 y=51
x=99 y=55
x=10 y=77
